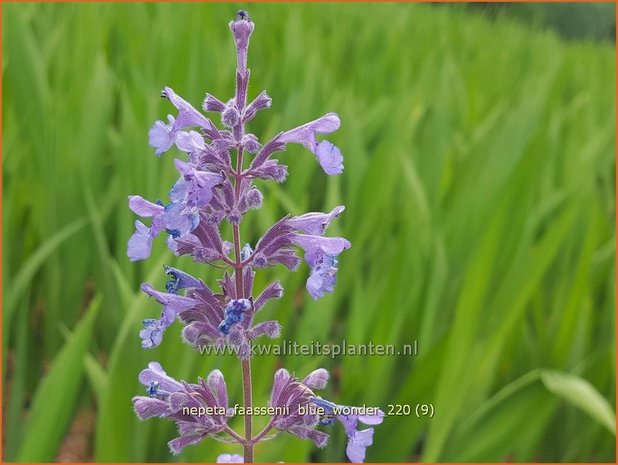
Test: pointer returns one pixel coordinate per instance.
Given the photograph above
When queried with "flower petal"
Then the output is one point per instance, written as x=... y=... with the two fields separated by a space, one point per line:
x=140 y=243
x=357 y=444
x=305 y=134
x=216 y=382
x=155 y=374
x=143 y=207
x=161 y=136
x=317 y=379
x=177 y=445
x=148 y=407
x=190 y=142
x=315 y=223
x=329 y=157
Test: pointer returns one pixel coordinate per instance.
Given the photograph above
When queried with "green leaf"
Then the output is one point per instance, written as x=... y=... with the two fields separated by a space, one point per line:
x=55 y=399
x=581 y=394
x=30 y=268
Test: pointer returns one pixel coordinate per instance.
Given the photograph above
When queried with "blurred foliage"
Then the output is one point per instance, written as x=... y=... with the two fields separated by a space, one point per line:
x=573 y=20
x=479 y=187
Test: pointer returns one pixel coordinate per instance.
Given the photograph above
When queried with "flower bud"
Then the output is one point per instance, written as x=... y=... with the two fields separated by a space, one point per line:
x=230 y=117
x=234 y=217
x=254 y=198
x=212 y=103
x=259 y=260
x=250 y=143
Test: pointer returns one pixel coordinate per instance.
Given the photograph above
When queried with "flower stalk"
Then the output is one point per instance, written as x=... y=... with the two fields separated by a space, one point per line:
x=211 y=190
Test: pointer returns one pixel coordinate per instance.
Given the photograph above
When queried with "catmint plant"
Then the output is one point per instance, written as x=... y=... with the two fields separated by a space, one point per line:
x=216 y=185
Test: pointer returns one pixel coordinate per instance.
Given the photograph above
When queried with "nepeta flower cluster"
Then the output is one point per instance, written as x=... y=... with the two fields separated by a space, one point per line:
x=214 y=186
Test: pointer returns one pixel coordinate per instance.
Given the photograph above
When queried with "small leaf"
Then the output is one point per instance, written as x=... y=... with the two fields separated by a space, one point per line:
x=583 y=395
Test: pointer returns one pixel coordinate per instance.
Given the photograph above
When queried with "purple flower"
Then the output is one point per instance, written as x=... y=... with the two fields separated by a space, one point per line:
x=211 y=189
x=173 y=305
x=327 y=154
x=250 y=143
x=275 y=246
x=180 y=217
x=212 y=103
x=305 y=134
x=270 y=329
x=321 y=255
x=289 y=392
x=270 y=169
x=315 y=222
x=188 y=116
x=157 y=383
x=199 y=410
x=180 y=280
x=204 y=242
x=161 y=136
x=194 y=188
x=320 y=252
x=358 y=440
x=230 y=458
x=179 y=220
x=329 y=157
x=358 y=443
x=203 y=319
x=140 y=243
x=242 y=27
x=261 y=102
x=273 y=291
x=190 y=142
x=234 y=313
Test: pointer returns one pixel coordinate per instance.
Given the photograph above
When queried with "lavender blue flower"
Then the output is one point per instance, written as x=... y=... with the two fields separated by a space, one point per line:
x=289 y=392
x=358 y=440
x=204 y=242
x=326 y=153
x=140 y=243
x=234 y=313
x=188 y=116
x=329 y=157
x=178 y=218
x=357 y=445
x=194 y=188
x=320 y=252
x=261 y=102
x=161 y=136
x=315 y=222
x=321 y=256
x=179 y=280
x=177 y=401
x=173 y=305
x=190 y=142
x=212 y=189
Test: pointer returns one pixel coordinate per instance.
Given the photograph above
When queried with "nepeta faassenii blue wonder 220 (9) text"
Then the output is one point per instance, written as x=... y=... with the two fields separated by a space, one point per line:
x=214 y=186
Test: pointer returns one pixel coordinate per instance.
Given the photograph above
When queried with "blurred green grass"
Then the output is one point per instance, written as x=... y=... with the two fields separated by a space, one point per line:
x=479 y=187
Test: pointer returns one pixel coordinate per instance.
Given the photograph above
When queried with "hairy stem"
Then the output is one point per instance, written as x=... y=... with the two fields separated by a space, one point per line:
x=246 y=385
x=246 y=364
x=234 y=434
x=242 y=84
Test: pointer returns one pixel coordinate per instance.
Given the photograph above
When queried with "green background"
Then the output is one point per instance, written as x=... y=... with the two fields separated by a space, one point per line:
x=479 y=185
